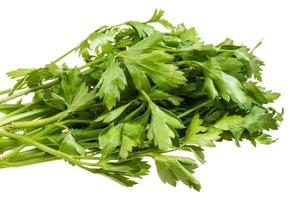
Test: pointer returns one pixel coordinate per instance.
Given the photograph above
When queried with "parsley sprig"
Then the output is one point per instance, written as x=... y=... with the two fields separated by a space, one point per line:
x=141 y=92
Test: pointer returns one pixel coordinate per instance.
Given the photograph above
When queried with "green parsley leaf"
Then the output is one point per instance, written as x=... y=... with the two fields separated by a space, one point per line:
x=110 y=139
x=161 y=127
x=112 y=115
x=259 y=119
x=265 y=139
x=71 y=146
x=155 y=64
x=19 y=72
x=157 y=94
x=111 y=83
x=227 y=86
x=259 y=94
x=157 y=15
x=132 y=167
x=75 y=92
x=142 y=29
x=200 y=135
x=172 y=169
x=133 y=135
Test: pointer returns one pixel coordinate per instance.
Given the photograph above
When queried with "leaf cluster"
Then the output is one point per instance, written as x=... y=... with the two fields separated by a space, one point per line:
x=141 y=92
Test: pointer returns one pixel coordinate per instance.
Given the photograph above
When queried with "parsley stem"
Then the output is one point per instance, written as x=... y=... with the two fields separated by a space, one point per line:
x=33 y=89
x=147 y=98
x=37 y=123
x=36 y=134
x=194 y=108
x=22 y=109
x=5 y=121
x=4 y=91
x=65 y=54
x=6 y=143
x=31 y=142
x=28 y=161
x=10 y=106
x=88 y=64
x=12 y=152
x=190 y=62
x=175 y=50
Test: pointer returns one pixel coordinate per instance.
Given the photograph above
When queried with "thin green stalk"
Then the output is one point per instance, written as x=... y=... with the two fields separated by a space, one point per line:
x=33 y=89
x=147 y=98
x=48 y=130
x=80 y=121
x=28 y=162
x=26 y=157
x=64 y=55
x=7 y=143
x=190 y=62
x=31 y=142
x=175 y=50
x=88 y=64
x=194 y=108
x=12 y=152
x=22 y=109
x=10 y=144
x=4 y=91
x=5 y=121
x=10 y=106
x=87 y=157
x=38 y=123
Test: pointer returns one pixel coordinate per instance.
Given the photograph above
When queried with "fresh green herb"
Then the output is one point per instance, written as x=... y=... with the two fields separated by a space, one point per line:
x=140 y=93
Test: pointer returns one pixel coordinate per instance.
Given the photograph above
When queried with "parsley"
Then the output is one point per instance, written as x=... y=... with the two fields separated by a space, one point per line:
x=140 y=93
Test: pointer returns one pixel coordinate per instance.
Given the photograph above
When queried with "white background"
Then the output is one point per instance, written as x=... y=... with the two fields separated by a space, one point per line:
x=32 y=33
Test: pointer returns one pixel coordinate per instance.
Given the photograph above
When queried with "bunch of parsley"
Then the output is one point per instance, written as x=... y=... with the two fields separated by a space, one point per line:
x=141 y=93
